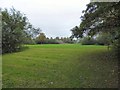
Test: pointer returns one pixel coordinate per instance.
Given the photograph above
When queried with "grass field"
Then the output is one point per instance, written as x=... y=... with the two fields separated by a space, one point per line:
x=60 y=66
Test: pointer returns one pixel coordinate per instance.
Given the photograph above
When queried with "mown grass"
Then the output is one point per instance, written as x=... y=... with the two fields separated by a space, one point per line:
x=60 y=66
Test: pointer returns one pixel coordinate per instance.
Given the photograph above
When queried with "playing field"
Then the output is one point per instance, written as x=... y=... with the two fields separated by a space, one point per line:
x=60 y=66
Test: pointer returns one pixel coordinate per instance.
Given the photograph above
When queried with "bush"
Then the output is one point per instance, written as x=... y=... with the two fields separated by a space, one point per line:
x=103 y=39
x=53 y=41
x=16 y=30
x=29 y=40
x=13 y=25
x=88 y=41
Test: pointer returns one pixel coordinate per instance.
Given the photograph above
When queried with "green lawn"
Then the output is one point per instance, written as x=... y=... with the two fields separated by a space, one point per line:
x=60 y=66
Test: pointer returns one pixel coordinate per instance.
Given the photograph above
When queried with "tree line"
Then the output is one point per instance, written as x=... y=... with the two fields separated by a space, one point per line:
x=99 y=20
x=42 y=39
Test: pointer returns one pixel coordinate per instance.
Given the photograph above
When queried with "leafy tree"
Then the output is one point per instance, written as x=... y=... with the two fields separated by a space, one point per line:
x=102 y=17
x=57 y=38
x=13 y=23
x=15 y=28
x=41 y=38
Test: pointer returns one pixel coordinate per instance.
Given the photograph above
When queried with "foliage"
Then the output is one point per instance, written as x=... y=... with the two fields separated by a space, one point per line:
x=102 y=17
x=103 y=39
x=13 y=23
x=28 y=40
x=67 y=40
x=76 y=32
x=15 y=29
x=41 y=38
x=53 y=41
x=88 y=41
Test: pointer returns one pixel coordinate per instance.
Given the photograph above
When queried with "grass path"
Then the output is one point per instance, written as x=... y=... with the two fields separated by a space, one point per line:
x=60 y=66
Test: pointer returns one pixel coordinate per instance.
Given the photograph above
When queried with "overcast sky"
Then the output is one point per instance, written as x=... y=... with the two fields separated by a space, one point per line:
x=54 y=17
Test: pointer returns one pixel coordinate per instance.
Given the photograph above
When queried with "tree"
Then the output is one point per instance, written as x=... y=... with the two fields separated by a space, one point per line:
x=13 y=23
x=57 y=38
x=15 y=28
x=41 y=38
x=102 y=17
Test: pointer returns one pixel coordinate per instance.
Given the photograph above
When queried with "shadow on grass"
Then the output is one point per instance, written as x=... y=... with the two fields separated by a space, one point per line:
x=23 y=48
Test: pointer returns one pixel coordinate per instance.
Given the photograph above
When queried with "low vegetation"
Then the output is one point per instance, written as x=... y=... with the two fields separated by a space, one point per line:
x=60 y=66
